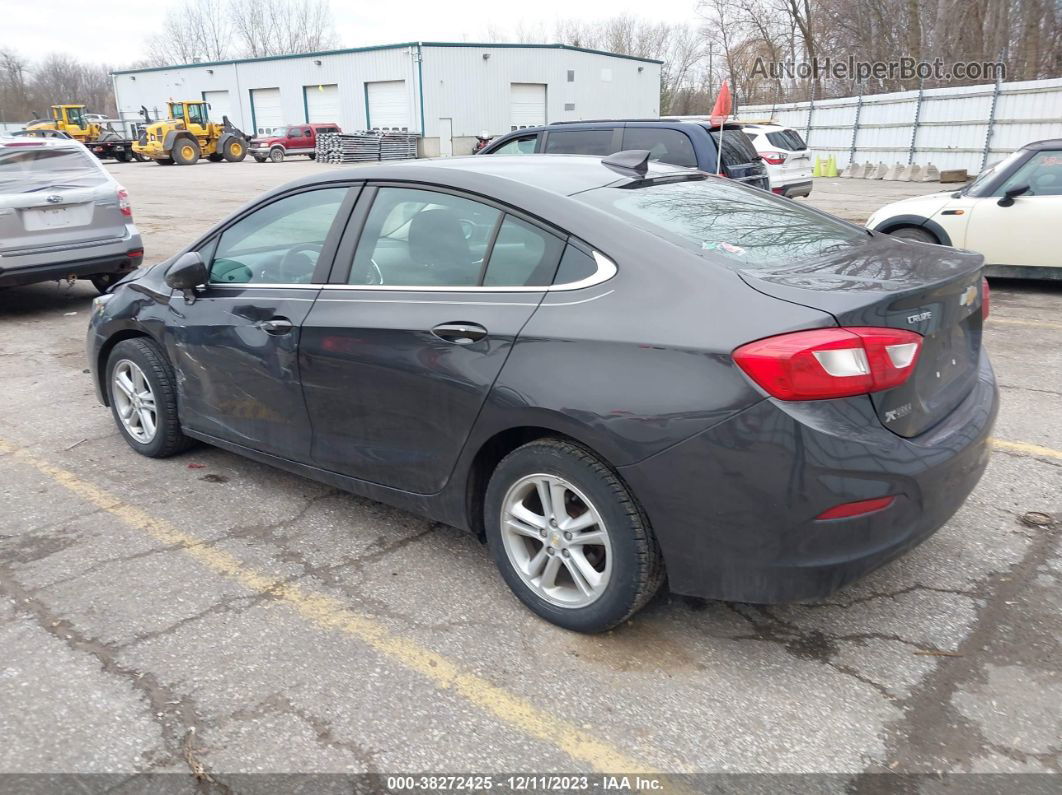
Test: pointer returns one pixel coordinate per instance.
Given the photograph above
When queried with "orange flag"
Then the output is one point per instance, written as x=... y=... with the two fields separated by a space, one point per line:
x=722 y=106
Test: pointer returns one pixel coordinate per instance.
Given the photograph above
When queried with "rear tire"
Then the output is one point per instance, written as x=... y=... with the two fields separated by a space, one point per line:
x=258 y=159
x=185 y=152
x=312 y=155
x=165 y=161
x=215 y=158
x=609 y=538
x=141 y=363
x=122 y=157
x=916 y=233
x=234 y=150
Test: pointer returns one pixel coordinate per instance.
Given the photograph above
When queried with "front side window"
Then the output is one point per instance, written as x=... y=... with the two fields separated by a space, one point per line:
x=518 y=146
x=197 y=114
x=1042 y=173
x=579 y=142
x=667 y=146
x=424 y=238
x=716 y=218
x=279 y=243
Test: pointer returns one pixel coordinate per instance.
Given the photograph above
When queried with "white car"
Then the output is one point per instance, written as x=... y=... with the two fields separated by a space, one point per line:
x=1010 y=213
x=786 y=155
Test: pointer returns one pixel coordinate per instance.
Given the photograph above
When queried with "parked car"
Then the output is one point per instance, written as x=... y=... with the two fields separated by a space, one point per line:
x=607 y=369
x=786 y=155
x=691 y=143
x=298 y=139
x=1010 y=214
x=62 y=215
x=38 y=134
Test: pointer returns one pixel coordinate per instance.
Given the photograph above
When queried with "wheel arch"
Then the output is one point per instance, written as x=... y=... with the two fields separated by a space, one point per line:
x=918 y=221
x=105 y=353
x=492 y=450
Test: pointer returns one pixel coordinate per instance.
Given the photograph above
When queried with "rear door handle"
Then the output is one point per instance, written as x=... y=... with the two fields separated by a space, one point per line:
x=276 y=325
x=460 y=333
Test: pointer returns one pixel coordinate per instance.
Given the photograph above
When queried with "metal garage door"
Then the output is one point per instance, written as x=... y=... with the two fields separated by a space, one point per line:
x=265 y=109
x=527 y=105
x=322 y=103
x=220 y=107
x=388 y=105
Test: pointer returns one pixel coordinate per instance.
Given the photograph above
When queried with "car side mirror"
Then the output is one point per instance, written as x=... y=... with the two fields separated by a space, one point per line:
x=188 y=272
x=1008 y=196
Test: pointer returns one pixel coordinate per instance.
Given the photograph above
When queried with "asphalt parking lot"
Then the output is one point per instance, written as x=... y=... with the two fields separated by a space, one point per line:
x=208 y=616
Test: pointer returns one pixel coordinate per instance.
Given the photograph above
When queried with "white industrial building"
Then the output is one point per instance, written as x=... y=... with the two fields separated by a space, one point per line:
x=446 y=92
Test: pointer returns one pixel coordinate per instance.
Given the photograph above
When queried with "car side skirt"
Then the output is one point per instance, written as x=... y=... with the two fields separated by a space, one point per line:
x=1046 y=272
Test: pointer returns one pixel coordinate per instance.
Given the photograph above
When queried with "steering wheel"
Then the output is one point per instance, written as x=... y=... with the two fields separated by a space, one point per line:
x=293 y=266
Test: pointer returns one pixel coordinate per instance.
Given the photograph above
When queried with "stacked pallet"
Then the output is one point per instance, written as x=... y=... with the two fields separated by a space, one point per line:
x=365 y=146
x=398 y=146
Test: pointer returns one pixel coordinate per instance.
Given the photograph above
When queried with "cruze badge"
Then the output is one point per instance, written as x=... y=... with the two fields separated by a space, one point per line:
x=968 y=296
x=919 y=317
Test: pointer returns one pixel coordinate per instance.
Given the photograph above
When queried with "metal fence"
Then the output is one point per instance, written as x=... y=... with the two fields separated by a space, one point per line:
x=961 y=127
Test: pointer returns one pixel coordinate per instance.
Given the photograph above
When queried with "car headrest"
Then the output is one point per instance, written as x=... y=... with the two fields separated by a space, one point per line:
x=436 y=237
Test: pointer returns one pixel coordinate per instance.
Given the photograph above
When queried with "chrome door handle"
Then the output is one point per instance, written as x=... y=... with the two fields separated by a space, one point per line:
x=276 y=325
x=460 y=333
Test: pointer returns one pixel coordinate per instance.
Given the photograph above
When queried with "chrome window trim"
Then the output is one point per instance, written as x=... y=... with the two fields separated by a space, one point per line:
x=606 y=269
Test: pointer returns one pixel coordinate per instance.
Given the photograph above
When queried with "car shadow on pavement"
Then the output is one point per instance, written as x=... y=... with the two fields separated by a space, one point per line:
x=48 y=296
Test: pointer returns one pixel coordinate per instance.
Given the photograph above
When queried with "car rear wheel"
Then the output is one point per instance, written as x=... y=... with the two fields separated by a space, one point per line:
x=914 y=233
x=276 y=154
x=143 y=397
x=568 y=537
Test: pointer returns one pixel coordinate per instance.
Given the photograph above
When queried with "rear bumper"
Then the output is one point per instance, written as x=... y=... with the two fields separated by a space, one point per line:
x=734 y=508
x=87 y=261
x=795 y=189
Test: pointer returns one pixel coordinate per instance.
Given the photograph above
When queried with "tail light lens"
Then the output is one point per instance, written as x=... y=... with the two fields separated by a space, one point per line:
x=848 y=510
x=123 y=203
x=986 y=298
x=773 y=158
x=830 y=363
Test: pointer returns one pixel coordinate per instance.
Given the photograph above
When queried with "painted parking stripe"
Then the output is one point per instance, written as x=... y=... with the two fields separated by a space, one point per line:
x=1028 y=449
x=1015 y=321
x=332 y=614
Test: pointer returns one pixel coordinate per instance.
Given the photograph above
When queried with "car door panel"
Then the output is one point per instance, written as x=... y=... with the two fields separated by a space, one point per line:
x=391 y=402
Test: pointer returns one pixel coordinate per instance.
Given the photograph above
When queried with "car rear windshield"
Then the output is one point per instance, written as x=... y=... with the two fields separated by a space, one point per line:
x=737 y=148
x=749 y=228
x=27 y=169
x=787 y=139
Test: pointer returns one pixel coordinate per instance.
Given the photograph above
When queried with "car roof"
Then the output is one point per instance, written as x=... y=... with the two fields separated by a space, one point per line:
x=49 y=142
x=557 y=174
x=704 y=124
x=1050 y=143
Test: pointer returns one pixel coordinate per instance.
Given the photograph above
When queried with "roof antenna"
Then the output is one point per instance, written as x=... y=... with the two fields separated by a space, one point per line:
x=631 y=162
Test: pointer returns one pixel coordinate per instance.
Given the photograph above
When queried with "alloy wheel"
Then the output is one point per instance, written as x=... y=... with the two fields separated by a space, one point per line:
x=556 y=540
x=135 y=401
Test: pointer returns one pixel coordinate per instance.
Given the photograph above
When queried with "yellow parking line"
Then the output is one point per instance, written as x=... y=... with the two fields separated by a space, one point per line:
x=1028 y=449
x=331 y=614
x=1014 y=321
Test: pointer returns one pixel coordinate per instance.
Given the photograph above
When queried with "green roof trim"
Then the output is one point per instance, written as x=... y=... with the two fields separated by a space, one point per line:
x=377 y=47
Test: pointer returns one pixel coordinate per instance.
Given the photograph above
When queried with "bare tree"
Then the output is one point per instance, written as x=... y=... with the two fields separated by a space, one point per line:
x=199 y=30
x=281 y=27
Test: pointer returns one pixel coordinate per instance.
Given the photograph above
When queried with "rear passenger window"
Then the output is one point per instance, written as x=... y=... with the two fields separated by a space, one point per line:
x=518 y=146
x=579 y=142
x=667 y=146
x=523 y=256
x=575 y=266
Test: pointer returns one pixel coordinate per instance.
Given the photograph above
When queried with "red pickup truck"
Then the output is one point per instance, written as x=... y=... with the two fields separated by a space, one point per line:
x=298 y=139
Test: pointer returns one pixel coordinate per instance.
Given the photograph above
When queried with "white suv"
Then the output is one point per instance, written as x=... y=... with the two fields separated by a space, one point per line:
x=786 y=155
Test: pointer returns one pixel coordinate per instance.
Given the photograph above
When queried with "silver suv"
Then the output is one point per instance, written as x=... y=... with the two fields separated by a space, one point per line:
x=62 y=215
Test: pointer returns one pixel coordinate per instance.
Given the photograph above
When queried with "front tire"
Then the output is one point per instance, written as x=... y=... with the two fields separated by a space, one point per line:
x=276 y=154
x=568 y=537
x=916 y=233
x=234 y=150
x=142 y=391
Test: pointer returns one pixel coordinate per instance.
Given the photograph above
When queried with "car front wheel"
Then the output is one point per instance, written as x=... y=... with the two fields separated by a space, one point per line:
x=143 y=395
x=914 y=233
x=568 y=538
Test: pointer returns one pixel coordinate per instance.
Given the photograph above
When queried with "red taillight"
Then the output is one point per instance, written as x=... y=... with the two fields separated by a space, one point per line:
x=986 y=298
x=830 y=362
x=773 y=158
x=847 y=510
x=133 y=253
x=123 y=203
x=777 y=190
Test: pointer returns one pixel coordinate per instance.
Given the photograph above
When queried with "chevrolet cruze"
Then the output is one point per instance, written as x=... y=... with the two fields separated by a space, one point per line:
x=614 y=372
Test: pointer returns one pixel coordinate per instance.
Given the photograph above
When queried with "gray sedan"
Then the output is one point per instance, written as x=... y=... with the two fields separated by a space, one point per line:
x=616 y=373
x=62 y=215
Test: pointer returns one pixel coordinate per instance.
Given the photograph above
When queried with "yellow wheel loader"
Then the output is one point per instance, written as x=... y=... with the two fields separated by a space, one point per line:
x=187 y=135
x=101 y=141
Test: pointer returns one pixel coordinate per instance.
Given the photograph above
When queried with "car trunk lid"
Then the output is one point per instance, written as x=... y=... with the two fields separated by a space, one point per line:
x=932 y=290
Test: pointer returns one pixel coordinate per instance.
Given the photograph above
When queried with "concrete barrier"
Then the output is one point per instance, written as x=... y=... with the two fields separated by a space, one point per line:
x=911 y=173
x=878 y=171
x=892 y=173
